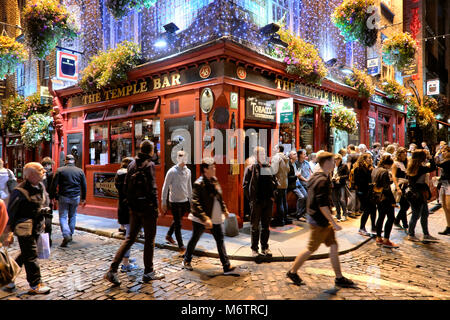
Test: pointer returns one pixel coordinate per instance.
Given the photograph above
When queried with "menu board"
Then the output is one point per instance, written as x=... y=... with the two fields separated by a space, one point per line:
x=259 y=106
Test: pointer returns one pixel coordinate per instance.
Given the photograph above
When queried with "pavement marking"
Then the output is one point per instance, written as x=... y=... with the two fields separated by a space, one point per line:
x=371 y=281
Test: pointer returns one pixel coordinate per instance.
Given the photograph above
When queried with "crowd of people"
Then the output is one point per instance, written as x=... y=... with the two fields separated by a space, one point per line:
x=329 y=189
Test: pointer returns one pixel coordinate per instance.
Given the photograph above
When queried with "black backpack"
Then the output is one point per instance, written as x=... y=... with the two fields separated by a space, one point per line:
x=139 y=188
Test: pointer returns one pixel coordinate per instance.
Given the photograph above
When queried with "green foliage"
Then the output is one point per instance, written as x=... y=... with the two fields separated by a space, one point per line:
x=35 y=130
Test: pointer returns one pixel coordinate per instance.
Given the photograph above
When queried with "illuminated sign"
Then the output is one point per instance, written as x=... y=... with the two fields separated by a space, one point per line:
x=66 y=66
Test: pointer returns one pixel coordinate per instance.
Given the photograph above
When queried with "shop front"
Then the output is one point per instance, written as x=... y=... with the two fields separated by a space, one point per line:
x=191 y=102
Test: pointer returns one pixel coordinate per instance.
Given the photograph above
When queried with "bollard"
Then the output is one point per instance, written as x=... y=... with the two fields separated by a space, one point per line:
x=231 y=225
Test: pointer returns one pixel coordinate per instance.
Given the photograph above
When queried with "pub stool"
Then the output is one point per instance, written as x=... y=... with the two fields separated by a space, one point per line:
x=231 y=225
x=291 y=201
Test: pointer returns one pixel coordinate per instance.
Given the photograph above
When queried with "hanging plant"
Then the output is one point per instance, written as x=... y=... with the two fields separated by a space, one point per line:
x=399 y=50
x=351 y=17
x=425 y=117
x=11 y=53
x=395 y=92
x=412 y=107
x=120 y=8
x=343 y=119
x=110 y=68
x=35 y=130
x=301 y=58
x=430 y=103
x=306 y=111
x=362 y=82
x=46 y=23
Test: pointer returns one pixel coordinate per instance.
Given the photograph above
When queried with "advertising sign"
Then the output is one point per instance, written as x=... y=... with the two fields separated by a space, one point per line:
x=373 y=66
x=285 y=110
x=66 y=66
x=433 y=87
x=260 y=107
x=104 y=186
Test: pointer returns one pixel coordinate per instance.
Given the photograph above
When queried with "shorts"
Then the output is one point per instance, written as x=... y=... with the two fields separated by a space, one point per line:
x=445 y=189
x=319 y=235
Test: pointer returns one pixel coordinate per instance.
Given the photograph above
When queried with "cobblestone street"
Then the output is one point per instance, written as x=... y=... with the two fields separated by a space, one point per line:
x=415 y=271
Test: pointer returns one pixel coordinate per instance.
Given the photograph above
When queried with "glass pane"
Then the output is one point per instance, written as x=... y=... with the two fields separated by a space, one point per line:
x=121 y=141
x=95 y=115
x=144 y=106
x=148 y=129
x=306 y=122
x=98 y=144
x=117 y=112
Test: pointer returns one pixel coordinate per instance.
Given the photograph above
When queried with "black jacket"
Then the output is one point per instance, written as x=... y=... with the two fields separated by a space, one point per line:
x=343 y=174
x=149 y=170
x=363 y=179
x=21 y=208
x=204 y=191
x=381 y=179
x=251 y=184
x=123 y=214
x=292 y=178
x=70 y=181
x=422 y=188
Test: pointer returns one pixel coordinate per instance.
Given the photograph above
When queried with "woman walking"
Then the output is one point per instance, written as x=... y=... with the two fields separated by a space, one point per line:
x=384 y=199
x=400 y=181
x=123 y=211
x=419 y=193
x=444 y=193
x=363 y=179
x=339 y=181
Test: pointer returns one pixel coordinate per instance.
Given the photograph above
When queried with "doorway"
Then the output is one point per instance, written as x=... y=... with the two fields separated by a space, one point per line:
x=75 y=147
x=256 y=136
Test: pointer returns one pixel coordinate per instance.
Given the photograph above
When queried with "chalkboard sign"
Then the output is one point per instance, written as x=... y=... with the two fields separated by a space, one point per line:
x=260 y=107
x=104 y=186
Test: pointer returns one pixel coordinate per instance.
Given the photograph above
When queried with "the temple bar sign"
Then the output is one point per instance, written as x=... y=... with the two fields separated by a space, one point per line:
x=308 y=91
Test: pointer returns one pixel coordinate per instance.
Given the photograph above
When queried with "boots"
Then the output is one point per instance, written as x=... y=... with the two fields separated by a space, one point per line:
x=446 y=232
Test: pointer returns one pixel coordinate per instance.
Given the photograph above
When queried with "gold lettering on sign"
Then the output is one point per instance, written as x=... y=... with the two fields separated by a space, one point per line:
x=278 y=83
x=166 y=82
x=143 y=87
x=176 y=79
x=134 y=88
x=129 y=88
x=156 y=84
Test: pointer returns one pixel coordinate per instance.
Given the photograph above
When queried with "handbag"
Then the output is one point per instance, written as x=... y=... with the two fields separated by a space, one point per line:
x=12 y=182
x=9 y=269
x=43 y=246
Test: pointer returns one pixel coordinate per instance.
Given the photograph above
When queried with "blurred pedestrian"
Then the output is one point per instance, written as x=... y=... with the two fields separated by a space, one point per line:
x=280 y=168
x=362 y=180
x=295 y=187
x=7 y=183
x=339 y=193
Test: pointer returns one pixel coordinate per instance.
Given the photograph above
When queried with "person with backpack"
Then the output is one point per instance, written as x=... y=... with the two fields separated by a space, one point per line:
x=208 y=212
x=26 y=210
x=142 y=198
x=280 y=168
x=321 y=222
x=419 y=193
x=123 y=211
x=362 y=179
x=7 y=183
x=69 y=188
x=384 y=200
x=401 y=183
x=339 y=181
x=179 y=187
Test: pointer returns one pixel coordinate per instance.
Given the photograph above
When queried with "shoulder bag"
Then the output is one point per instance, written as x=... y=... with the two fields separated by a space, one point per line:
x=9 y=269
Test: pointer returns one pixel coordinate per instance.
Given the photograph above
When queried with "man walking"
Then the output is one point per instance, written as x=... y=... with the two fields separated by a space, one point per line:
x=280 y=168
x=321 y=221
x=141 y=192
x=293 y=184
x=27 y=209
x=178 y=184
x=260 y=187
x=69 y=188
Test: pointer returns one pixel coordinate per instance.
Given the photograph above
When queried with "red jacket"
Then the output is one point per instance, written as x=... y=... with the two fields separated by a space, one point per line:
x=3 y=216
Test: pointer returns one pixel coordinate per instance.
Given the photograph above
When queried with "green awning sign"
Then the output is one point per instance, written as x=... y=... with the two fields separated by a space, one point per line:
x=285 y=110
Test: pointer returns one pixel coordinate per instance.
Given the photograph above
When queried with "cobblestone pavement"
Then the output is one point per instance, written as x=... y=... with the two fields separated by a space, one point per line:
x=415 y=271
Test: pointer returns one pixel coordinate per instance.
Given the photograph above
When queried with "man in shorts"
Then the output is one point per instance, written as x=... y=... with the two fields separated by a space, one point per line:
x=321 y=222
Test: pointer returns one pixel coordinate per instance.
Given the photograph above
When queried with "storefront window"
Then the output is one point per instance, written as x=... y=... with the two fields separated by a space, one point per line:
x=116 y=112
x=98 y=144
x=306 y=123
x=148 y=129
x=287 y=136
x=121 y=141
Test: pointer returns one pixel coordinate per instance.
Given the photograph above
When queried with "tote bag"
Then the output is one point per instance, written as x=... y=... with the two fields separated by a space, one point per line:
x=43 y=246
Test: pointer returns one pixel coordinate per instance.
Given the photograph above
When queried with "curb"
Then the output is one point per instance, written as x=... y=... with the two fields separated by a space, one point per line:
x=201 y=253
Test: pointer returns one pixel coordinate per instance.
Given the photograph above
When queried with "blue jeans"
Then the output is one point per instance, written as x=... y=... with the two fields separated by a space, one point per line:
x=68 y=208
x=282 y=208
x=302 y=195
x=419 y=210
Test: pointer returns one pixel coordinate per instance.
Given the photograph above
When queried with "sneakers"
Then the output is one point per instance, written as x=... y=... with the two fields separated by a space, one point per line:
x=379 y=241
x=388 y=244
x=446 y=232
x=344 y=218
x=267 y=253
x=255 y=254
x=128 y=268
x=187 y=265
x=39 y=289
x=344 y=282
x=152 y=276
x=229 y=270
x=10 y=286
x=364 y=233
x=428 y=238
x=170 y=240
x=112 y=277
x=413 y=238
x=294 y=278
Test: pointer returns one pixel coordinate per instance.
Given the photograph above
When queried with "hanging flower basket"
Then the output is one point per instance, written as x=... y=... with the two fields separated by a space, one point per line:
x=362 y=82
x=11 y=53
x=120 y=8
x=110 y=68
x=301 y=58
x=351 y=19
x=46 y=23
x=343 y=119
x=35 y=130
x=430 y=103
x=399 y=50
x=395 y=92
x=412 y=107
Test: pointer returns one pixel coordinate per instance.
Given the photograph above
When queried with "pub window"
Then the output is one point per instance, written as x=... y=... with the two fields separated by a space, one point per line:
x=98 y=144
x=147 y=129
x=142 y=107
x=116 y=112
x=121 y=141
x=97 y=115
x=306 y=123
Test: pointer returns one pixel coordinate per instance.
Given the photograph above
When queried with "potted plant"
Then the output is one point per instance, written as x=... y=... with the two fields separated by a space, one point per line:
x=110 y=68
x=46 y=22
x=399 y=50
x=11 y=53
x=362 y=82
